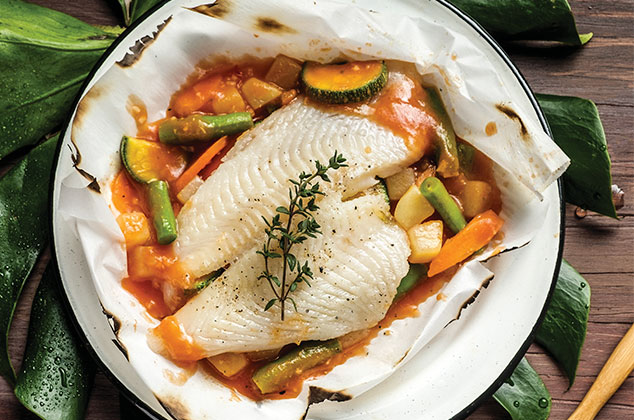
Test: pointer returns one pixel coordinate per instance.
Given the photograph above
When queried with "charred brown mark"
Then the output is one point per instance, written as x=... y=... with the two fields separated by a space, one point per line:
x=140 y=45
x=75 y=156
x=317 y=395
x=472 y=299
x=266 y=24
x=512 y=115
x=216 y=10
x=115 y=324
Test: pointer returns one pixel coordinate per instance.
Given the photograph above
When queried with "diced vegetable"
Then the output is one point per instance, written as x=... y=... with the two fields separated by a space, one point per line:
x=256 y=356
x=228 y=100
x=466 y=154
x=273 y=376
x=284 y=72
x=148 y=263
x=203 y=282
x=344 y=83
x=194 y=97
x=135 y=228
x=148 y=161
x=412 y=208
x=415 y=273
x=398 y=184
x=436 y=193
x=203 y=128
x=446 y=148
x=198 y=165
x=425 y=240
x=190 y=189
x=162 y=212
x=475 y=198
x=229 y=363
x=259 y=93
x=478 y=233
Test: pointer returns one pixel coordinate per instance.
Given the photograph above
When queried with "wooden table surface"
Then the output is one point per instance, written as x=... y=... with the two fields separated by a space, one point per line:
x=601 y=249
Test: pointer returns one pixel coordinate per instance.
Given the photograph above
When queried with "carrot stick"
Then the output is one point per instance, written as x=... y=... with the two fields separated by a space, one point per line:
x=202 y=161
x=478 y=232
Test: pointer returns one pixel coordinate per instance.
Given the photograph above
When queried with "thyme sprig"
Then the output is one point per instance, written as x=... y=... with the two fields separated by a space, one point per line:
x=281 y=237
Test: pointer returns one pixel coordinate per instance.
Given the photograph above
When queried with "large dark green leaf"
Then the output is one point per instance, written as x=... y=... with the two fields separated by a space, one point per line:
x=549 y=20
x=564 y=328
x=524 y=395
x=577 y=129
x=45 y=57
x=23 y=233
x=133 y=9
x=57 y=374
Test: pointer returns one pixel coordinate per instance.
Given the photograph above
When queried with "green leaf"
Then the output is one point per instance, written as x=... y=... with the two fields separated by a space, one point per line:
x=57 y=374
x=549 y=20
x=524 y=395
x=134 y=9
x=564 y=328
x=23 y=233
x=269 y=304
x=577 y=129
x=46 y=55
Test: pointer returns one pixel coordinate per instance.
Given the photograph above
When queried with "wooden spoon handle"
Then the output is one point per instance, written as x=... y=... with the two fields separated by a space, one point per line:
x=612 y=375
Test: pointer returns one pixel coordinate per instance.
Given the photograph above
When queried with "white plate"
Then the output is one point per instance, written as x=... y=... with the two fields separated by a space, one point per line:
x=462 y=366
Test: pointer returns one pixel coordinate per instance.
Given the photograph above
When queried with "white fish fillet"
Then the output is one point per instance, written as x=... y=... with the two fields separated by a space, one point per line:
x=224 y=217
x=358 y=263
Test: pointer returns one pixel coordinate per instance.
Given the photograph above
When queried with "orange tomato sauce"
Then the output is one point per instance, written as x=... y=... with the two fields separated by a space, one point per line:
x=402 y=106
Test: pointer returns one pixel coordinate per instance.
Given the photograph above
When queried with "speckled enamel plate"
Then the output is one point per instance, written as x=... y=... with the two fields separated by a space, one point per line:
x=453 y=373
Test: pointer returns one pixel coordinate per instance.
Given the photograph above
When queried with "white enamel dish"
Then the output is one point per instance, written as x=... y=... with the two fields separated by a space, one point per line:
x=451 y=375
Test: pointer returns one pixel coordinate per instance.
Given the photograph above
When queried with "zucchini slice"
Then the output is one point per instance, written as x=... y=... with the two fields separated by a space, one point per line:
x=148 y=161
x=344 y=83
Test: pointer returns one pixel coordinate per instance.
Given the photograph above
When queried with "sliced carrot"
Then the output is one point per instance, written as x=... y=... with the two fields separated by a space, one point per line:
x=199 y=164
x=478 y=232
x=215 y=162
x=194 y=97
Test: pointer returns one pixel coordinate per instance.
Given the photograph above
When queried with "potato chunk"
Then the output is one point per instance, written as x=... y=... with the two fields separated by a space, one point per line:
x=135 y=228
x=412 y=208
x=228 y=100
x=259 y=93
x=229 y=363
x=425 y=240
x=398 y=184
x=475 y=198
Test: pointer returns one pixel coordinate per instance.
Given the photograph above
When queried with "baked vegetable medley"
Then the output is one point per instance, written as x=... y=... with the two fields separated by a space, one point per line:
x=284 y=212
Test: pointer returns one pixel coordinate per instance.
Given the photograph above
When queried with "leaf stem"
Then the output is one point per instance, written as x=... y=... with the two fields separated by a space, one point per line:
x=302 y=196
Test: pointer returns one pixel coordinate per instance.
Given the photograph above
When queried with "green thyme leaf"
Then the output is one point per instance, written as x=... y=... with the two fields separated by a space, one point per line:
x=307 y=227
x=269 y=304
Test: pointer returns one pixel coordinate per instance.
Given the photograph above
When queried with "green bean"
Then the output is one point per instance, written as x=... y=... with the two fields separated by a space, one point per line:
x=162 y=212
x=445 y=142
x=415 y=273
x=466 y=154
x=434 y=191
x=203 y=128
x=273 y=376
